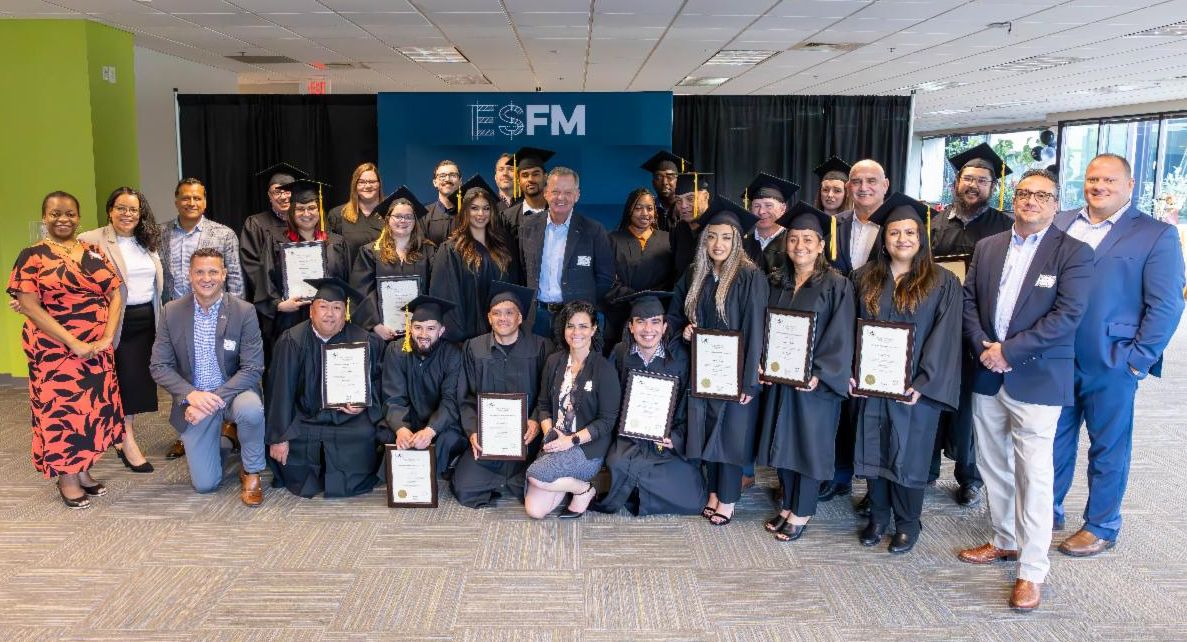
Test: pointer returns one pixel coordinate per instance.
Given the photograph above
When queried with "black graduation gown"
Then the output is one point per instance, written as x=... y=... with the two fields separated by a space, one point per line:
x=488 y=367
x=636 y=270
x=469 y=291
x=666 y=482
x=770 y=259
x=260 y=230
x=949 y=235
x=724 y=431
x=329 y=450
x=271 y=293
x=422 y=390
x=437 y=223
x=684 y=241
x=513 y=218
x=368 y=269
x=665 y=217
x=358 y=234
x=799 y=429
x=895 y=440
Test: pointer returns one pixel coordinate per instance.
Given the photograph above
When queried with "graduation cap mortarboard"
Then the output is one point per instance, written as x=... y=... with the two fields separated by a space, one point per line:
x=385 y=206
x=985 y=153
x=333 y=289
x=833 y=164
x=645 y=304
x=529 y=157
x=475 y=181
x=724 y=211
x=767 y=186
x=281 y=173
x=665 y=161
x=691 y=182
x=501 y=291
x=900 y=207
x=802 y=216
x=429 y=308
x=304 y=190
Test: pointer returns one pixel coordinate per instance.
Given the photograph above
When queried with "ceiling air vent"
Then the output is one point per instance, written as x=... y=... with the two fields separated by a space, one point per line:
x=262 y=60
x=827 y=47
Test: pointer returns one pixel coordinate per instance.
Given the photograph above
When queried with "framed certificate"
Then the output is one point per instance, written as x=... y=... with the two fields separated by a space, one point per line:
x=411 y=477
x=300 y=261
x=502 y=419
x=649 y=405
x=395 y=292
x=345 y=377
x=883 y=364
x=957 y=264
x=717 y=364
x=787 y=347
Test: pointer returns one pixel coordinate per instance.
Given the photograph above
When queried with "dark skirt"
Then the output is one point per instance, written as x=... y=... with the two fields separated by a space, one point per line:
x=137 y=388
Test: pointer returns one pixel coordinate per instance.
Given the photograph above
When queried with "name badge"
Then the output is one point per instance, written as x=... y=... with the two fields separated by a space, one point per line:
x=229 y=345
x=584 y=261
x=1045 y=281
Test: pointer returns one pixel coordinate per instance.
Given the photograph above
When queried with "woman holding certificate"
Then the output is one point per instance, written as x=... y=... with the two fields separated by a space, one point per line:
x=809 y=359
x=306 y=252
x=476 y=253
x=394 y=269
x=907 y=367
x=578 y=412
x=725 y=294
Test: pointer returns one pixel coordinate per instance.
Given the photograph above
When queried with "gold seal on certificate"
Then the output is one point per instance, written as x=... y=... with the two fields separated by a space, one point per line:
x=411 y=477
x=882 y=367
x=648 y=405
x=717 y=364
x=396 y=292
x=300 y=261
x=502 y=419
x=345 y=379
x=787 y=346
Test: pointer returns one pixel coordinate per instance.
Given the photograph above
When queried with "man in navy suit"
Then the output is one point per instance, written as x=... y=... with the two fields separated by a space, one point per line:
x=1133 y=310
x=565 y=256
x=1024 y=295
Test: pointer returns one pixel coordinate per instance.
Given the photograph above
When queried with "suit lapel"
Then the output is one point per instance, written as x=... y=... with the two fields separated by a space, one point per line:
x=185 y=350
x=571 y=242
x=111 y=248
x=1043 y=253
x=1118 y=231
x=220 y=332
x=996 y=261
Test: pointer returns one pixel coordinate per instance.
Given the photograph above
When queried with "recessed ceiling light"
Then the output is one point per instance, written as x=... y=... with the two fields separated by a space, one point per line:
x=1116 y=89
x=937 y=85
x=1175 y=30
x=1036 y=63
x=946 y=112
x=432 y=54
x=701 y=81
x=740 y=56
x=464 y=79
x=827 y=47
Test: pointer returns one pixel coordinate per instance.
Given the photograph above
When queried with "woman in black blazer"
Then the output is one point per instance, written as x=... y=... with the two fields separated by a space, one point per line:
x=578 y=411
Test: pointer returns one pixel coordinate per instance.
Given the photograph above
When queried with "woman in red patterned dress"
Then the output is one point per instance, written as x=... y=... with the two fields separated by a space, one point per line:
x=70 y=295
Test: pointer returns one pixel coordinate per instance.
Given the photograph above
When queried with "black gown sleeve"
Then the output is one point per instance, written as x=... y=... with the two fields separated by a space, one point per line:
x=284 y=379
x=832 y=356
x=362 y=278
x=445 y=417
x=446 y=283
x=938 y=374
x=753 y=326
x=394 y=389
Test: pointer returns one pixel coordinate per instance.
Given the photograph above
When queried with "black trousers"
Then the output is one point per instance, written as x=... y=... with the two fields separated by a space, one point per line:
x=846 y=441
x=725 y=480
x=905 y=505
x=799 y=492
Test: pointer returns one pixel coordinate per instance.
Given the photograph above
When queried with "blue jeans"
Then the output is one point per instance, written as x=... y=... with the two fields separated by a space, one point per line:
x=202 y=441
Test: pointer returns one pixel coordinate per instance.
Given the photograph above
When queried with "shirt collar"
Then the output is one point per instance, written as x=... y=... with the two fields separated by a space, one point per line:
x=760 y=237
x=969 y=219
x=197 y=226
x=318 y=334
x=1033 y=239
x=659 y=352
x=214 y=308
x=1112 y=220
x=491 y=343
x=568 y=219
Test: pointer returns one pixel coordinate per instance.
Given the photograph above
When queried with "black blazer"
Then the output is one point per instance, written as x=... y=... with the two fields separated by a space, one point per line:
x=596 y=396
x=588 y=270
x=844 y=263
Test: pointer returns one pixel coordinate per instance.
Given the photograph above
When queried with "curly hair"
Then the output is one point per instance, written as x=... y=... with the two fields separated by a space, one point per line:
x=463 y=240
x=146 y=232
x=571 y=308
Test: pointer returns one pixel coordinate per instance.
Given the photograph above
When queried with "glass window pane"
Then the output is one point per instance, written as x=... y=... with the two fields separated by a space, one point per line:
x=1077 y=148
x=1171 y=183
x=1017 y=149
x=931 y=175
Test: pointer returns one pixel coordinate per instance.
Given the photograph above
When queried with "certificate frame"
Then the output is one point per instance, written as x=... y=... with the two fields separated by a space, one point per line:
x=379 y=281
x=957 y=262
x=284 y=264
x=431 y=453
x=808 y=353
x=695 y=377
x=634 y=375
x=910 y=328
x=367 y=356
x=522 y=397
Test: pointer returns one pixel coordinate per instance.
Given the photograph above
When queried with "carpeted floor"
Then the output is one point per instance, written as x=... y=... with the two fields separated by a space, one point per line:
x=155 y=561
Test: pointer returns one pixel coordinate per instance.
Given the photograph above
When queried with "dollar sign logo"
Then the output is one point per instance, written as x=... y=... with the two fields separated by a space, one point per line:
x=510 y=114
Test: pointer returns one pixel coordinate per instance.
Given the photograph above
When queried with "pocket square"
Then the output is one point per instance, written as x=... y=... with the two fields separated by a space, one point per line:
x=584 y=261
x=1045 y=281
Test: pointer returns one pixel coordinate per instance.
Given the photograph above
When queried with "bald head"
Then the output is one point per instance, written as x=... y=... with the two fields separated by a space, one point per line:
x=867 y=187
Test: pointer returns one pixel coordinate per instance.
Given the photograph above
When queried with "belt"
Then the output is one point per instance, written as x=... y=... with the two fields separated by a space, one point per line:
x=551 y=307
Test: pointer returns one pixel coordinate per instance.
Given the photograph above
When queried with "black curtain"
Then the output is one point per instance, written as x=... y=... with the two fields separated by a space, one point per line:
x=226 y=139
x=735 y=137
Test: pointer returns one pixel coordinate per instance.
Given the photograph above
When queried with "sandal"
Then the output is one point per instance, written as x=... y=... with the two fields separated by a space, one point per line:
x=707 y=512
x=77 y=503
x=790 y=532
x=720 y=522
x=98 y=490
x=570 y=514
x=776 y=523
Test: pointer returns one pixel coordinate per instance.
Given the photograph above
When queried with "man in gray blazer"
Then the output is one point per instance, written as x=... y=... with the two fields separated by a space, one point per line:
x=208 y=354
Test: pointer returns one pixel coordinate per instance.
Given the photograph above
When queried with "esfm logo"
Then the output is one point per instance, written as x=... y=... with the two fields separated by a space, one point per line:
x=511 y=120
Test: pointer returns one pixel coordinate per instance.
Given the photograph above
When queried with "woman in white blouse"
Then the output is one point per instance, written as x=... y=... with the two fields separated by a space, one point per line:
x=131 y=240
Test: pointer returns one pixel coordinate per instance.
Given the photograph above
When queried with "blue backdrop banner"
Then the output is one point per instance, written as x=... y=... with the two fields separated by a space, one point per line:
x=603 y=136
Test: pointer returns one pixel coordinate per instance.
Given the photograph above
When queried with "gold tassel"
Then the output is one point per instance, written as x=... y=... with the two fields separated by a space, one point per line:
x=681 y=165
x=379 y=241
x=746 y=197
x=696 y=196
x=407 y=347
x=321 y=210
x=514 y=177
x=1001 y=189
x=832 y=238
x=459 y=200
x=929 y=225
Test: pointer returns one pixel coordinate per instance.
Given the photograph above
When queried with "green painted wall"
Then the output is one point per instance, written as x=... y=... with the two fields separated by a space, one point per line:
x=65 y=128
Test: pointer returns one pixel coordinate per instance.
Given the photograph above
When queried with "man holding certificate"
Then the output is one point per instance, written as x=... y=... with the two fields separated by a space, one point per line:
x=500 y=381
x=323 y=400
x=420 y=381
x=649 y=472
x=1026 y=293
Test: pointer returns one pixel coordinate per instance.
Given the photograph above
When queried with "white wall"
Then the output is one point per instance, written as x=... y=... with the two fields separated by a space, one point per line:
x=157 y=75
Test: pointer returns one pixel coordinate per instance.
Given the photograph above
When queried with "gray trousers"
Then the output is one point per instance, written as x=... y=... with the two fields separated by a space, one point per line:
x=202 y=441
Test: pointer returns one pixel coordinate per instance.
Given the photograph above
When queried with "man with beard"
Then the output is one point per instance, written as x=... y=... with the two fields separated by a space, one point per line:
x=505 y=181
x=767 y=198
x=420 y=381
x=969 y=219
x=260 y=228
x=528 y=168
x=437 y=224
x=692 y=199
x=665 y=167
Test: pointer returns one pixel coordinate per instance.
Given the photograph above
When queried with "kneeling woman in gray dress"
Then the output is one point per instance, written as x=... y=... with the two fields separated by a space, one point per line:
x=578 y=410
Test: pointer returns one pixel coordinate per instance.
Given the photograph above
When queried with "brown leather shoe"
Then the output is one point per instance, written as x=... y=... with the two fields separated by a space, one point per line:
x=1085 y=544
x=747 y=481
x=251 y=490
x=231 y=432
x=176 y=451
x=986 y=554
x=1026 y=596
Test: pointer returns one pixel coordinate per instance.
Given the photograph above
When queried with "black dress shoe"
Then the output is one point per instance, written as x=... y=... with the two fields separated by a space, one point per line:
x=568 y=514
x=146 y=467
x=830 y=489
x=790 y=532
x=872 y=534
x=969 y=495
x=862 y=508
x=902 y=543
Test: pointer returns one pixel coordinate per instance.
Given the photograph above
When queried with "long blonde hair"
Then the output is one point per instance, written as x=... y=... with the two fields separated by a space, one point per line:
x=350 y=211
x=702 y=265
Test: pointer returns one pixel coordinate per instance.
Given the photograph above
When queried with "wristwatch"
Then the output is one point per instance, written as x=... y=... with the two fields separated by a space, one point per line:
x=576 y=440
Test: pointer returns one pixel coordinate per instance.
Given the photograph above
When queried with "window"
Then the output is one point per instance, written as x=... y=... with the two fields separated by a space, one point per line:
x=938 y=176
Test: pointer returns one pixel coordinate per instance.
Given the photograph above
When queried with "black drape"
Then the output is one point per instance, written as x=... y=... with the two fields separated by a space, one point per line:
x=226 y=139
x=735 y=137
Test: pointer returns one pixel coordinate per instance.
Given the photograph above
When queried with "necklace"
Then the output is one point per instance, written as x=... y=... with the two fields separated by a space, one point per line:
x=67 y=249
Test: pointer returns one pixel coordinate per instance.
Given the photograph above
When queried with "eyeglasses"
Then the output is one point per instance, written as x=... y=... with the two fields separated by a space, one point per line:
x=365 y=183
x=974 y=180
x=407 y=218
x=1040 y=197
x=445 y=175
x=124 y=209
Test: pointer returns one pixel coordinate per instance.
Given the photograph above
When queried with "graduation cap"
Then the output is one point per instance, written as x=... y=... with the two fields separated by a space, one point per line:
x=475 y=181
x=724 y=211
x=691 y=182
x=833 y=164
x=767 y=186
x=429 y=308
x=385 y=206
x=501 y=291
x=304 y=190
x=281 y=173
x=665 y=161
x=802 y=216
x=900 y=207
x=985 y=153
x=527 y=158
x=645 y=304
x=334 y=289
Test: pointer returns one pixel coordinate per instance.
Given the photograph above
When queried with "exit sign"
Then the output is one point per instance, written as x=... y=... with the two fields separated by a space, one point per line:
x=316 y=86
